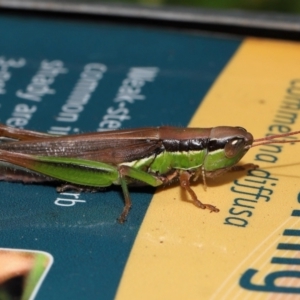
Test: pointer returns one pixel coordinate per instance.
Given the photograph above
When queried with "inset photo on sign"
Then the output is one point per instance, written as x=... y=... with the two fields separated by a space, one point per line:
x=22 y=272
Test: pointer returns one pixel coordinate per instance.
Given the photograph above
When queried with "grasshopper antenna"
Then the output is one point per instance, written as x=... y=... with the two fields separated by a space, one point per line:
x=272 y=139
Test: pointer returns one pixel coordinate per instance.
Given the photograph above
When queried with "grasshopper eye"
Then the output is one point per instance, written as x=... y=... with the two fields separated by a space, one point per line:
x=234 y=147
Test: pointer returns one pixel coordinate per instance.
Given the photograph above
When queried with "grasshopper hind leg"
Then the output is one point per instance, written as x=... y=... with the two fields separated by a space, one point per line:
x=122 y=218
x=184 y=179
x=73 y=187
x=15 y=174
x=131 y=175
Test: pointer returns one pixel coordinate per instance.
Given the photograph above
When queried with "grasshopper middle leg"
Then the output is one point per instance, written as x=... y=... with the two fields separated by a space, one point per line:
x=184 y=179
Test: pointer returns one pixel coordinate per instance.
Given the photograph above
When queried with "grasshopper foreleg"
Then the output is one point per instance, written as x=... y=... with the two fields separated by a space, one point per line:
x=184 y=179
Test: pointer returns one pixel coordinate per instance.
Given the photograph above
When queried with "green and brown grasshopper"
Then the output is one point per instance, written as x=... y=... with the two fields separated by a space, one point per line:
x=143 y=156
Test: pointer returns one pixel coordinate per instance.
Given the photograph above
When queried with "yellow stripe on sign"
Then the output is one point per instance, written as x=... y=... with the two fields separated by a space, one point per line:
x=182 y=252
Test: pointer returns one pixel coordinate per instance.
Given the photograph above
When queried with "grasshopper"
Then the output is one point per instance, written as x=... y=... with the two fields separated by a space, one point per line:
x=143 y=156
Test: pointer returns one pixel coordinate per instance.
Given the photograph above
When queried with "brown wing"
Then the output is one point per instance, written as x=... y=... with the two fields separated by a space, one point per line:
x=110 y=147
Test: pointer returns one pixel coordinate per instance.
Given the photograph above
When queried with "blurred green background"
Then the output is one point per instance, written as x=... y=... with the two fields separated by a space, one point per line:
x=288 y=6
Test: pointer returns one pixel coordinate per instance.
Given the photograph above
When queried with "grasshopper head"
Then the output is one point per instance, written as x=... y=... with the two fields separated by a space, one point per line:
x=226 y=146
